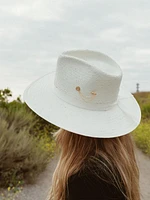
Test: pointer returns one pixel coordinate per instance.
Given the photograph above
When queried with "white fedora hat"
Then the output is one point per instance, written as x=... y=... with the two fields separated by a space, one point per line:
x=84 y=95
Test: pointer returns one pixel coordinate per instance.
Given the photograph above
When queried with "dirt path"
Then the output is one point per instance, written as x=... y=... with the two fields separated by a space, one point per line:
x=144 y=167
x=40 y=190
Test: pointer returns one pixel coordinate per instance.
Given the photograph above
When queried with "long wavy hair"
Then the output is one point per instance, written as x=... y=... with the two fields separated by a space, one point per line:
x=117 y=157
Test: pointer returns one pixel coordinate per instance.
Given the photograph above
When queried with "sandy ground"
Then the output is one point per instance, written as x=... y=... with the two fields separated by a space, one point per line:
x=144 y=167
x=40 y=190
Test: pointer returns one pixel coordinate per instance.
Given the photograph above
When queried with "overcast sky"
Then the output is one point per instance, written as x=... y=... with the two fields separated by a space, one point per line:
x=33 y=33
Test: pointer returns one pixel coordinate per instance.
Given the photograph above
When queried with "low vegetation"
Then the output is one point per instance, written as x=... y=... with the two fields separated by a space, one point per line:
x=142 y=133
x=26 y=143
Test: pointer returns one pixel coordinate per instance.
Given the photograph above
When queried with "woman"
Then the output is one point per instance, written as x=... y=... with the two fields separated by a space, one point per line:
x=84 y=97
x=95 y=168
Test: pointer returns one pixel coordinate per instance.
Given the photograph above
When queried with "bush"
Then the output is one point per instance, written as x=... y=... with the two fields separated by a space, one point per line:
x=42 y=128
x=39 y=127
x=26 y=142
x=18 y=117
x=143 y=99
x=22 y=156
x=145 y=111
x=142 y=136
x=142 y=133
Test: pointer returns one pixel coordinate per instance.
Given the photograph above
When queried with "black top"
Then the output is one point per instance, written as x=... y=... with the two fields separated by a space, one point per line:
x=88 y=186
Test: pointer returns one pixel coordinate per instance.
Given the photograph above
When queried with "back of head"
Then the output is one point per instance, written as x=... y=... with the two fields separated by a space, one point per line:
x=113 y=155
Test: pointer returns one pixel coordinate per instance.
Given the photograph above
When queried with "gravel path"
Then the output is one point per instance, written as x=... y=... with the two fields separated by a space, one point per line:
x=144 y=167
x=40 y=190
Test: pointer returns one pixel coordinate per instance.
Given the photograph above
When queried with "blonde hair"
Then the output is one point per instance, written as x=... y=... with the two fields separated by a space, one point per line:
x=78 y=150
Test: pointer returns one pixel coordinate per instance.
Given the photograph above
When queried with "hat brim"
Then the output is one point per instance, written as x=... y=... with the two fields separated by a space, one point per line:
x=121 y=119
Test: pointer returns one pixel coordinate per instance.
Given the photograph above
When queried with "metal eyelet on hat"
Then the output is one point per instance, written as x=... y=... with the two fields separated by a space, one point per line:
x=78 y=88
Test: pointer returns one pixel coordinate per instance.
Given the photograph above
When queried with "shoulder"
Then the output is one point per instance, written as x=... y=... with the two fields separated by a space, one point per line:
x=92 y=184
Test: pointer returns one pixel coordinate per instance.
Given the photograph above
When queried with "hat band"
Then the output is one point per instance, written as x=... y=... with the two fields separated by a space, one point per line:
x=82 y=104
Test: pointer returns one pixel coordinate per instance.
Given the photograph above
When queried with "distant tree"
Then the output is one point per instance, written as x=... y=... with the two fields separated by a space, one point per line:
x=5 y=94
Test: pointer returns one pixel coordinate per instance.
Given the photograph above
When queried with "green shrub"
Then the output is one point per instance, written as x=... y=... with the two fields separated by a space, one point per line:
x=142 y=97
x=145 y=111
x=142 y=132
x=42 y=128
x=22 y=156
x=26 y=143
x=17 y=109
x=18 y=117
x=142 y=136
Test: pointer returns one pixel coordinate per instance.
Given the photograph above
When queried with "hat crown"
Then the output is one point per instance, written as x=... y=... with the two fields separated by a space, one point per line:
x=87 y=79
